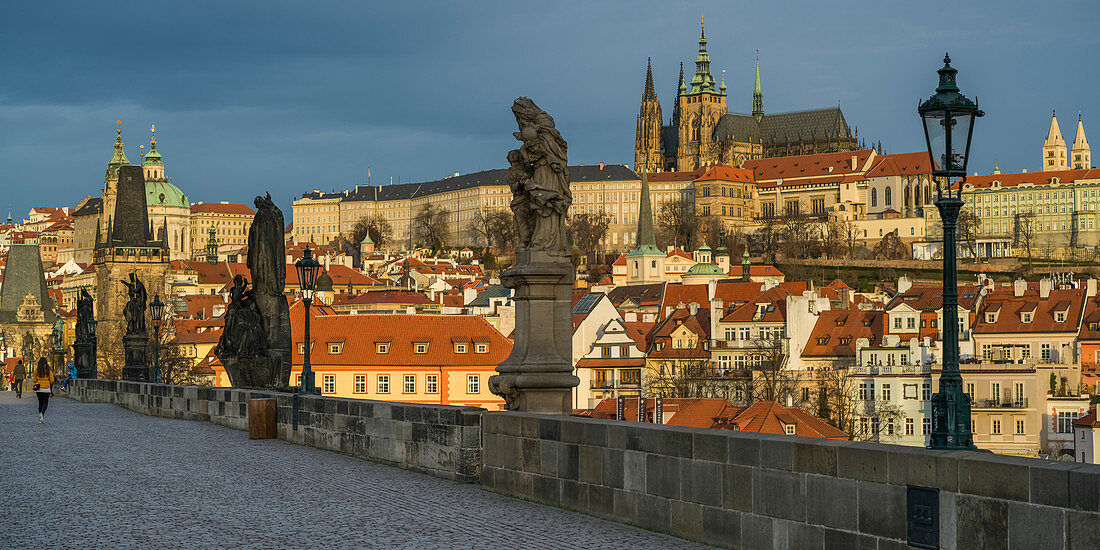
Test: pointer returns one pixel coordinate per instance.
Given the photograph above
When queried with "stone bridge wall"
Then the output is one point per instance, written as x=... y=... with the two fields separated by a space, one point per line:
x=727 y=488
x=436 y=439
x=748 y=490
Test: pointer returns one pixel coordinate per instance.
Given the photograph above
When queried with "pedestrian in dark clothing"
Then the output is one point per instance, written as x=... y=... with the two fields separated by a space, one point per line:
x=18 y=375
x=43 y=387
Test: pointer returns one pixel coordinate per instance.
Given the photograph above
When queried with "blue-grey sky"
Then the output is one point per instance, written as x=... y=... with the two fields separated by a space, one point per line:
x=250 y=96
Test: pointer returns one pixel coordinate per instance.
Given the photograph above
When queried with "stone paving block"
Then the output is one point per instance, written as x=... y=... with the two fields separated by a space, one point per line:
x=1082 y=530
x=634 y=471
x=996 y=476
x=848 y=540
x=548 y=490
x=675 y=442
x=549 y=429
x=981 y=523
x=714 y=447
x=574 y=495
x=1035 y=527
x=572 y=431
x=737 y=488
x=601 y=501
x=779 y=494
x=626 y=506
x=756 y=533
x=686 y=519
x=548 y=457
x=863 y=461
x=654 y=513
x=662 y=476
x=616 y=436
x=701 y=482
x=830 y=502
x=777 y=452
x=529 y=426
x=595 y=434
x=644 y=439
x=721 y=527
x=590 y=464
x=743 y=450
x=881 y=510
x=818 y=457
x=612 y=467
x=568 y=457
x=531 y=459
x=803 y=536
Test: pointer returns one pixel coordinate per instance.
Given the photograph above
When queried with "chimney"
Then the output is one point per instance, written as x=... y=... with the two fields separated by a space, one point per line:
x=693 y=308
x=631 y=317
x=1090 y=288
x=712 y=288
x=601 y=166
x=1019 y=288
x=1044 y=288
x=855 y=161
x=904 y=284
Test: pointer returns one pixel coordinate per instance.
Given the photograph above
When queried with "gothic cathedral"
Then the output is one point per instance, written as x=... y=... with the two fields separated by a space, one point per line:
x=702 y=132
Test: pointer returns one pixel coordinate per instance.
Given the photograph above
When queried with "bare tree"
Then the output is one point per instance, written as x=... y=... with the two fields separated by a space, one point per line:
x=771 y=380
x=1024 y=234
x=493 y=228
x=862 y=417
x=587 y=230
x=838 y=238
x=678 y=220
x=968 y=226
x=692 y=378
x=799 y=238
x=379 y=229
x=433 y=226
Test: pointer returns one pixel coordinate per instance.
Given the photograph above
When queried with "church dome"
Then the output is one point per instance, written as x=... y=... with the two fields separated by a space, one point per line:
x=705 y=268
x=162 y=193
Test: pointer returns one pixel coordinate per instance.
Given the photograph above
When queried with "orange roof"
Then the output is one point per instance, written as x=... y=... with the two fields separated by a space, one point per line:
x=221 y=208
x=901 y=164
x=360 y=335
x=837 y=330
x=727 y=173
x=1009 y=309
x=679 y=252
x=621 y=260
x=760 y=417
x=773 y=418
x=805 y=166
x=1034 y=178
x=664 y=177
x=389 y=297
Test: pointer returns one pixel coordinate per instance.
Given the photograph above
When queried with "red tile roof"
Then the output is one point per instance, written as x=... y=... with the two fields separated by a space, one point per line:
x=389 y=297
x=901 y=164
x=760 y=417
x=1008 y=308
x=664 y=177
x=836 y=332
x=1034 y=178
x=804 y=166
x=727 y=173
x=222 y=208
x=360 y=335
x=773 y=418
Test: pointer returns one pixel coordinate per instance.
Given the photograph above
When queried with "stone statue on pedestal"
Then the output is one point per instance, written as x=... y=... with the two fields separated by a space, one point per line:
x=84 y=344
x=538 y=375
x=254 y=347
x=137 y=337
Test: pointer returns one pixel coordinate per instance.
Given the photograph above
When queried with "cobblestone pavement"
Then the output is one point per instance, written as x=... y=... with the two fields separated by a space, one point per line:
x=99 y=476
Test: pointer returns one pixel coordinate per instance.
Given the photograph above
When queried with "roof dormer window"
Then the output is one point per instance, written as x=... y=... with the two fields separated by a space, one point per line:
x=991 y=317
x=1026 y=317
x=788 y=429
x=1060 y=317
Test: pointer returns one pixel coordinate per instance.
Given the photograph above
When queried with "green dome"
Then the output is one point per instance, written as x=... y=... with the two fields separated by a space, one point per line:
x=162 y=193
x=152 y=159
x=703 y=248
x=705 y=268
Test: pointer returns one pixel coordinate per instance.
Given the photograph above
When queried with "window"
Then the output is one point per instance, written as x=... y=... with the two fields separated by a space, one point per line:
x=1060 y=317
x=421 y=347
x=431 y=383
x=927 y=425
x=970 y=390
x=1046 y=352
x=1019 y=426
x=909 y=426
x=991 y=317
x=1065 y=422
x=481 y=348
x=383 y=383
x=889 y=426
x=910 y=322
x=886 y=392
x=298 y=380
x=788 y=429
x=805 y=394
x=1018 y=392
x=360 y=383
x=460 y=348
x=926 y=391
x=410 y=383
x=382 y=348
x=605 y=351
x=996 y=430
x=334 y=349
x=995 y=392
x=473 y=383
x=624 y=351
x=328 y=383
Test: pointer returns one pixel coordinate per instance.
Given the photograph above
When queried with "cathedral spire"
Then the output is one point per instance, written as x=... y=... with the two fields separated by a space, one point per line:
x=119 y=158
x=681 y=88
x=1081 y=153
x=647 y=237
x=702 y=81
x=1054 y=148
x=757 y=93
x=649 y=93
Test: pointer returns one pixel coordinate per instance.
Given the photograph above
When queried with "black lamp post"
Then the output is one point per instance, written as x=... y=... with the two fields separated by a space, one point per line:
x=948 y=126
x=156 y=311
x=307 y=274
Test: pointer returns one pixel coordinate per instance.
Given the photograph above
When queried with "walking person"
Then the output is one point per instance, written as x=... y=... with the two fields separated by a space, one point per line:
x=18 y=375
x=43 y=384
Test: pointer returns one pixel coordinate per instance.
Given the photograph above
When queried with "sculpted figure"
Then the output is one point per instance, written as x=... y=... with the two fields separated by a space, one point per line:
x=539 y=178
x=83 y=315
x=135 y=306
x=267 y=255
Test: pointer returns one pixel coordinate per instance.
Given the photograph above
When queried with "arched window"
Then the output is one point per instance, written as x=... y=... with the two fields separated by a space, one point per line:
x=888 y=196
x=874 y=197
x=907 y=203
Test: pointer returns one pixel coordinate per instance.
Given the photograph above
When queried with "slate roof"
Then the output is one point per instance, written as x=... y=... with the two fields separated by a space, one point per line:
x=130 y=227
x=92 y=206
x=23 y=275
x=492 y=291
x=737 y=127
x=643 y=294
x=404 y=191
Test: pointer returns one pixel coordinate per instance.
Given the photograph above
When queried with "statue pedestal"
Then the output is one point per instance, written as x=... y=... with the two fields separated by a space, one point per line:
x=84 y=359
x=135 y=368
x=538 y=375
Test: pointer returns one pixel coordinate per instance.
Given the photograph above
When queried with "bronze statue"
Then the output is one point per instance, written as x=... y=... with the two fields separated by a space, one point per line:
x=83 y=315
x=539 y=179
x=134 y=310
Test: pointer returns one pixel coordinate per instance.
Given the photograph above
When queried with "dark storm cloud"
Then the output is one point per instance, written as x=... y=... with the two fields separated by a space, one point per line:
x=296 y=96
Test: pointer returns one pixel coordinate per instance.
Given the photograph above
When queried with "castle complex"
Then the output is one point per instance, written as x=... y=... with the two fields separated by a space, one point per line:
x=702 y=132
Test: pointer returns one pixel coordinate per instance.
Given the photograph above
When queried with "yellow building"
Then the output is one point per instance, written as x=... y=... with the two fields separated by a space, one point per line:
x=230 y=224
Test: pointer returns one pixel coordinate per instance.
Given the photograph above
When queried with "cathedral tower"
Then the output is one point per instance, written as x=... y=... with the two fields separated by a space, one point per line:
x=1080 y=154
x=648 y=151
x=700 y=108
x=645 y=264
x=757 y=94
x=1054 y=148
x=110 y=180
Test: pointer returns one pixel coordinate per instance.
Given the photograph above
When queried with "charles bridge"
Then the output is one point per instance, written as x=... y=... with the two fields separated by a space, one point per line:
x=112 y=478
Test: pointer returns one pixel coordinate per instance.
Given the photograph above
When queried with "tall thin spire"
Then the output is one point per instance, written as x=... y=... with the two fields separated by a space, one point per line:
x=757 y=93
x=1081 y=155
x=649 y=93
x=647 y=237
x=702 y=81
x=1054 y=147
x=681 y=88
x=119 y=158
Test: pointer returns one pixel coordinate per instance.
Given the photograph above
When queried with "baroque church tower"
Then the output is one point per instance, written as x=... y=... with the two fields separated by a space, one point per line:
x=1054 y=148
x=700 y=108
x=649 y=155
x=1080 y=154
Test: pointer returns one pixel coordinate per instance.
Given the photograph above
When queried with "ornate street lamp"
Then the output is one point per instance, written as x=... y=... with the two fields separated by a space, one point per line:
x=948 y=126
x=156 y=311
x=307 y=274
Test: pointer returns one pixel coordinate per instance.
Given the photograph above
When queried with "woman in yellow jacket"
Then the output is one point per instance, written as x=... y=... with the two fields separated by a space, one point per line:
x=43 y=382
